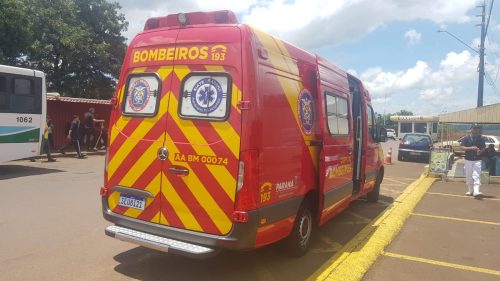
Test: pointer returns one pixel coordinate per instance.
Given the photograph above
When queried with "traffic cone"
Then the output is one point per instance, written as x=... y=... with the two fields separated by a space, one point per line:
x=388 y=157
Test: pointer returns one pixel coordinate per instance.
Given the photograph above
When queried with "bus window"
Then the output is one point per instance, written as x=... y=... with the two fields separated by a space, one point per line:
x=20 y=95
x=421 y=128
x=406 y=128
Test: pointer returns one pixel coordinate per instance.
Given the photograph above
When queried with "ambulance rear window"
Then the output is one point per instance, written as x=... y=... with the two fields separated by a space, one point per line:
x=205 y=95
x=142 y=95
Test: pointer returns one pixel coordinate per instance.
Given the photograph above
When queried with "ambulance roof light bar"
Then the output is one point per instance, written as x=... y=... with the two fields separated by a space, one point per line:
x=194 y=18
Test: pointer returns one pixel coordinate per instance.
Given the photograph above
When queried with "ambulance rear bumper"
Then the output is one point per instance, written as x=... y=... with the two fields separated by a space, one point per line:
x=158 y=243
x=177 y=240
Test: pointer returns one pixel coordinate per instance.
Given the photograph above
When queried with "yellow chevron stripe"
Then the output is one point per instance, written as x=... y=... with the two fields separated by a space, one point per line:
x=163 y=219
x=200 y=192
x=154 y=188
x=119 y=125
x=220 y=173
x=280 y=58
x=179 y=206
x=156 y=218
x=113 y=199
x=227 y=133
x=142 y=164
x=138 y=134
x=164 y=71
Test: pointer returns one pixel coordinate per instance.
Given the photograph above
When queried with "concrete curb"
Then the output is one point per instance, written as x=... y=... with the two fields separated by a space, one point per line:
x=358 y=255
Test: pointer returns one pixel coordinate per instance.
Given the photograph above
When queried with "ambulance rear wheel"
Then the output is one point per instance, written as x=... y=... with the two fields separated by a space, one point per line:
x=300 y=238
x=373 y=195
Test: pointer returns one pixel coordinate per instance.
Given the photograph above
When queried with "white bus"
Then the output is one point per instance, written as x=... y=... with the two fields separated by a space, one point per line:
x=417 y=124
x=23 y=106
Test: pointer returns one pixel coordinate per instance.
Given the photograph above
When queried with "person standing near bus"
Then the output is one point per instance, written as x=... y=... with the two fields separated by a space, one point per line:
x=50 y=129
x=90 y=132
x=74 y=137
x=46 y=140
x=473 y=145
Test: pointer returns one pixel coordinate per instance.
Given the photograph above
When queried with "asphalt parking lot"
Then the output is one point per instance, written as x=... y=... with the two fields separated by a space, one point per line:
x=52 y=229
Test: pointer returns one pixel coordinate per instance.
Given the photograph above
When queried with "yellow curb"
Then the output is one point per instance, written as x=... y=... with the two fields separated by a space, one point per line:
x=358 y=255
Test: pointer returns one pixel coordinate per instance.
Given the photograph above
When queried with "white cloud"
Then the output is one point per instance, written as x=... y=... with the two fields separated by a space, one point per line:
x=309 y=24
x=413 y=37
x=449 y=85
x=436 y=96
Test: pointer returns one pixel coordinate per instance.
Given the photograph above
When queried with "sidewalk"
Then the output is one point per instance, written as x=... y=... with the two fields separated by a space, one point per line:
x=449 y=236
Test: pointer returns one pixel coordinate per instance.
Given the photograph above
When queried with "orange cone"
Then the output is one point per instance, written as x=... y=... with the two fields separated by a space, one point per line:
x=388 y=157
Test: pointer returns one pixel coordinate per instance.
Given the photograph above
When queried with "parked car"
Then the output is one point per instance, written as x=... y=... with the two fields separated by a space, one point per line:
x=455 y=145
x=415 y=146
x=391 y=134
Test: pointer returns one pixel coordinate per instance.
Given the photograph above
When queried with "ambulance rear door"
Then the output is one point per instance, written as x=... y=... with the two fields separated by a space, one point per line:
x=202 y=136
x=138 y=125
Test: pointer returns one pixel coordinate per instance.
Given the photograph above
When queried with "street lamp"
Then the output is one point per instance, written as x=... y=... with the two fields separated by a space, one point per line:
x=458 y=39
x=481 y=60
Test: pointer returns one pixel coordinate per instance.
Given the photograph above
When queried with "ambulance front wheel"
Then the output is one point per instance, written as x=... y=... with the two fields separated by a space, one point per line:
x=300 y=238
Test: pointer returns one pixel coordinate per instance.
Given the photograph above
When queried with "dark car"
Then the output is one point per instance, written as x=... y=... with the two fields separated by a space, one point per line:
x=415 y=146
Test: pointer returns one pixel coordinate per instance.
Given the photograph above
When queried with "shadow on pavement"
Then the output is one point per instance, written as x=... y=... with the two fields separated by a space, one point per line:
x=16 y=171
x=268 y=263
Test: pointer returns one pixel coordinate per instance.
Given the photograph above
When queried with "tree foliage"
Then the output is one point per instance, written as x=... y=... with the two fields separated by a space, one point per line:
x=15 y=32
x=77 y=43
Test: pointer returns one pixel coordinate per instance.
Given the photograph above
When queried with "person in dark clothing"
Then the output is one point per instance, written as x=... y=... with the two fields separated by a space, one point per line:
x=90 y=131
x=489 y=158
x=74 y=137
x=474 y=146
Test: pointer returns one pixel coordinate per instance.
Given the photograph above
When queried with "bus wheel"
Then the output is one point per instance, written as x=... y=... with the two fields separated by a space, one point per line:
x=300 y=238
x=373 y=195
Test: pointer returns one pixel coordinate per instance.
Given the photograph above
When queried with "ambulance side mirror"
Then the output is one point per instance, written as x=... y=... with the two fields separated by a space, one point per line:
x=381 y=134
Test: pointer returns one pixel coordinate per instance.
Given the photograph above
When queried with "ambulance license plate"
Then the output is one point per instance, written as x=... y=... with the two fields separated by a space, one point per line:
x=132 y=202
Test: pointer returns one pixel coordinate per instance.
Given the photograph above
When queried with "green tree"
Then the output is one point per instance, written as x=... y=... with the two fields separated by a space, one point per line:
x=15 y=32
x=404 y=112
x=78 y=44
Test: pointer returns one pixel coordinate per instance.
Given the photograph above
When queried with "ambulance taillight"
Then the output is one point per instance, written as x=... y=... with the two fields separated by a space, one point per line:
x=246 y=196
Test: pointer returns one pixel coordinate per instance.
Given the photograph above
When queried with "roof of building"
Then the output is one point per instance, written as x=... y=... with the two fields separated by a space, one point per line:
x=57 y=97
x=489 y=114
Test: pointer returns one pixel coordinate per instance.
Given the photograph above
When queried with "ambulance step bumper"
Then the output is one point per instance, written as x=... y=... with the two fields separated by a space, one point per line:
x=159 y=243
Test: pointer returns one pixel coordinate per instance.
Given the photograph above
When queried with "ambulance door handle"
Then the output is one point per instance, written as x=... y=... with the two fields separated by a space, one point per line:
x=179 y=171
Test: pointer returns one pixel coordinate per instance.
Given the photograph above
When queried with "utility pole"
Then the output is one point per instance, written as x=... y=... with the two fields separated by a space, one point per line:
x=484 y=31
x=480 y=85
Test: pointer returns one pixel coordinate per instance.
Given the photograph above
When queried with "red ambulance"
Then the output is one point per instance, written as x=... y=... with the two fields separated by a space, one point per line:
x=225 y=137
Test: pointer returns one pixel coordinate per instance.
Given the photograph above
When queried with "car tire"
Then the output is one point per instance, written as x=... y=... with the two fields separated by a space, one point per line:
x=373 y=195
x=297 y=243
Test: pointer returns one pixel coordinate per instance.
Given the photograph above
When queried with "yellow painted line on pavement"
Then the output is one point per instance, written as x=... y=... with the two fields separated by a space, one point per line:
x=442 y=263
x=392 y=190
x=456 y=219
x=461 y=196
x=358 y=255
x=397 y=181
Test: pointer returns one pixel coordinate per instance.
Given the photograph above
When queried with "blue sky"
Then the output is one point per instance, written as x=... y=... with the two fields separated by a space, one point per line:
x=392 y=45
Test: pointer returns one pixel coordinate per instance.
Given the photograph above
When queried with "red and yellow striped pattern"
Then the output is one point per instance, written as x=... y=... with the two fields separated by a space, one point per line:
x=204 y=199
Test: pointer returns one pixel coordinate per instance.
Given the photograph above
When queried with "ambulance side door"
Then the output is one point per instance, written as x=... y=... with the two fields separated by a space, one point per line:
x=336 y=156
